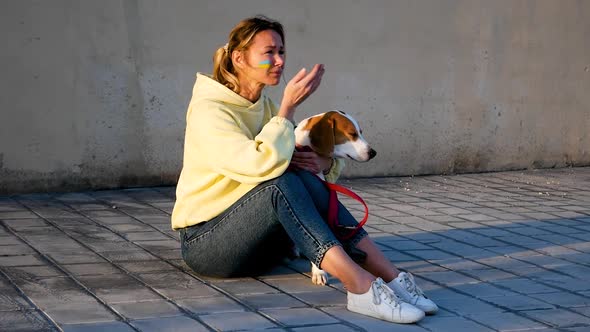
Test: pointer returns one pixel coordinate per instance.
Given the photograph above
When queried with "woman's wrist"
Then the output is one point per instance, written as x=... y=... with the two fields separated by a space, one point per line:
x=286 y=112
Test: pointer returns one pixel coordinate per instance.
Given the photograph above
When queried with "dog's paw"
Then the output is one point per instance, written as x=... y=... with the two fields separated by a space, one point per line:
x=318 y=276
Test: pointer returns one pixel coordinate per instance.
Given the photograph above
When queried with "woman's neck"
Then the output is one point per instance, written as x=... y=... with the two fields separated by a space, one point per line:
x=251 y=90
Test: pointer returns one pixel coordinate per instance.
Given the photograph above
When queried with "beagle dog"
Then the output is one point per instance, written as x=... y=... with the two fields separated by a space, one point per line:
x=333 y=134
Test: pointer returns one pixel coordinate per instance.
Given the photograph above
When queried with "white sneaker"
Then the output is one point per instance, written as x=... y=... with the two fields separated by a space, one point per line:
x=381 y=302
x=405 y=287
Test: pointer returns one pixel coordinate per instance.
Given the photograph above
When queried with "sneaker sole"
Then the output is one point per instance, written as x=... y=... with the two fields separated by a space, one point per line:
x=428 y=312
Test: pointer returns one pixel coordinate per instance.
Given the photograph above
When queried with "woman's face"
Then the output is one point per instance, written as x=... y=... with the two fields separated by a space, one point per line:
x=264 y=60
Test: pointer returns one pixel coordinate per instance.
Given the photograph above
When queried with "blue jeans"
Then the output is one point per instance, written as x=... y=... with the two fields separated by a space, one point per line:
x=255 y=233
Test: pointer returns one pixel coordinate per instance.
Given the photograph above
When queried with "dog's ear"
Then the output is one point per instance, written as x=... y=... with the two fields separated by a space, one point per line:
x=321 y=135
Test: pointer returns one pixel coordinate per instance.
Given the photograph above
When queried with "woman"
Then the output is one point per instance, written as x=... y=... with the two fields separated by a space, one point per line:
x=237 y=205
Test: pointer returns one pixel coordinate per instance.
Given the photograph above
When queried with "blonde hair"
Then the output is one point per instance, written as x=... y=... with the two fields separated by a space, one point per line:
x=240 y=38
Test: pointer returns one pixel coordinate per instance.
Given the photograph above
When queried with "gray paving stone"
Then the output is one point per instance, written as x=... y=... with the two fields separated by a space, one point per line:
x=300 y=316
x=154 y=245
x=176 y=324
x=272 y=301
x=7 y=240
x=563 y=299
x=463 y=250
x=18 y=214
x=444 y=293
x=146 y=309
x=145 y=235
x=129 y=227
x=114 y=326
x=323 y=298
x=546 y=261
x=569 y=283
x=128 y=255
x=558 y=317
x=489 y=275
x=110 y=217
x=178 y=285
x=79 y=312
x=395 y=228
x=401 y=244
x=431 y=254
x=581 y=258
x=290 y=272
x=55 y=244
x=427 y=285
x=476 y=217
x=51 y=291
x=91 y=269
x=525 y=286
x=448 y=278
x=520 y=302
x=109 y=245
x=295 y=285
x=467 y=306
x=16 y=249
x=322 y=328
x=147 y=266
x=82 y=257
x=483 y=290
x=245 y=286
x=460 y=264
x=238 y=320
x=211 y=305
x=458 y=324
x=21 y=260
x=585 y=311
x=166 y=254
x=397 y=257
x=23 y=224
x=11 y=300
x=21 y=321
x=529 y=231
x=113 y=288
x=506 y=321
x=8 y=204
x=28 y=272
x=420 y=266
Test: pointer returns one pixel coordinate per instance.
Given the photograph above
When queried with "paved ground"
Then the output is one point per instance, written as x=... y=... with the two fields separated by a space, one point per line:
x=497 y=252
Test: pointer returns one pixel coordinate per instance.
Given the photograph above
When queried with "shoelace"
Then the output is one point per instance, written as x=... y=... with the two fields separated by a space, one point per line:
x=410 y=285
x=379 y=289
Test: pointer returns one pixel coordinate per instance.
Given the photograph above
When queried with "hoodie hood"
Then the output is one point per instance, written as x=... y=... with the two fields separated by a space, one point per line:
x=209 y=89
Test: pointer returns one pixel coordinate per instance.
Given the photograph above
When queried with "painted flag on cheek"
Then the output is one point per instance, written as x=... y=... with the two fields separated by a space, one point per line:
x=264 y=64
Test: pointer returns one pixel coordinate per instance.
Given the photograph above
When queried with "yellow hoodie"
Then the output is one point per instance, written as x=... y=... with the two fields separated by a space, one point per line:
x=231 y=145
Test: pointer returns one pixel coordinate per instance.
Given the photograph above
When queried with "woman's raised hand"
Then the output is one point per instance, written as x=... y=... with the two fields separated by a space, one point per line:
x=299 y=88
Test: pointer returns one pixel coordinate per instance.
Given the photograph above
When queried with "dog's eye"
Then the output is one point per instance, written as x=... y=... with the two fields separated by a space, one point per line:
x=354 y=134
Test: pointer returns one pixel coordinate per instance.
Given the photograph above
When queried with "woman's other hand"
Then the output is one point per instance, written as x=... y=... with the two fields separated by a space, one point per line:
x=299 y=88
x=310 y=161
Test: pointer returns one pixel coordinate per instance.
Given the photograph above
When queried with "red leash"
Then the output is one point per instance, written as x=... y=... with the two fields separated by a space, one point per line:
x=334 y=189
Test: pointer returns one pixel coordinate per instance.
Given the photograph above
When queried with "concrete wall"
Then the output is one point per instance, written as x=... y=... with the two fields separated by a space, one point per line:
x=94 y=93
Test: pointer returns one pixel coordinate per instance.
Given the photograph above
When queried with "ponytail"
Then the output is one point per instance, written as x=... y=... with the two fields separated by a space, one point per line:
x=223 y=69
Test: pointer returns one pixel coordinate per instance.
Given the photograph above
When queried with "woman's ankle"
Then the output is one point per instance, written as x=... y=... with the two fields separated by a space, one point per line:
x=360 y=286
